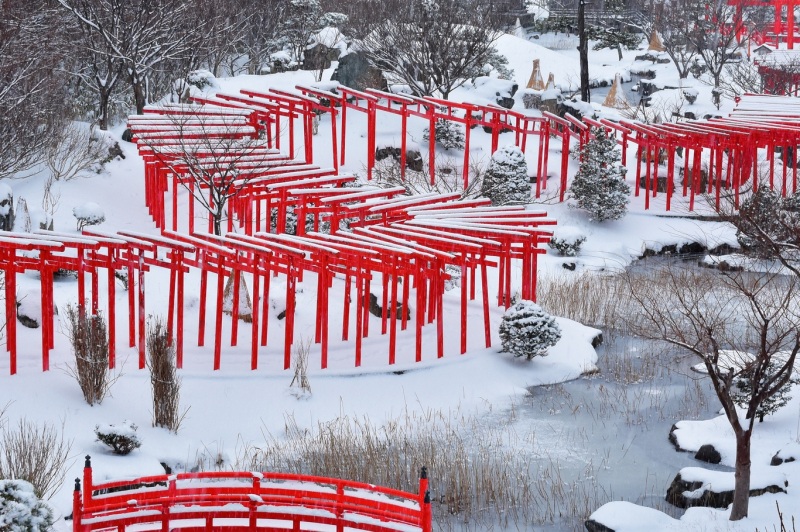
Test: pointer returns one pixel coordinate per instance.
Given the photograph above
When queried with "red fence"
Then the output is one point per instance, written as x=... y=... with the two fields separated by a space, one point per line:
x=246 y=501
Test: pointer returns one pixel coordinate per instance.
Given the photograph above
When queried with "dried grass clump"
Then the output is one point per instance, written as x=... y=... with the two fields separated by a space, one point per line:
x=34 y=453
x=89 y=338
x=300 y=359
x=482 y=474
x=163 y=377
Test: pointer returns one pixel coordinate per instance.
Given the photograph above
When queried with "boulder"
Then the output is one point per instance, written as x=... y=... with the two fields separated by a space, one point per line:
x=376 y=310
x=790 y=453
x=387 y=151
x=316 y=58
x=414 y=161
x=29 y=310
x=707 y=453
x=661 y=183
x=593 y=526
x=694 y=486
x=355 y=71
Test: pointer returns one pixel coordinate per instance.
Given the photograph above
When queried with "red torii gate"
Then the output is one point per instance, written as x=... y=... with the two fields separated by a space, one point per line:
x=495 y=118
x=780 y=31
x=87 y=253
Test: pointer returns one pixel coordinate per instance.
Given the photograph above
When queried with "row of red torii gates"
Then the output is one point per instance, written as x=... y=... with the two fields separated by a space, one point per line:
x=727 y=149
x=404 y=241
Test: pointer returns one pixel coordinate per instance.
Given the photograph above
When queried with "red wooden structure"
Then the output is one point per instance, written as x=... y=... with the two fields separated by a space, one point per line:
x=755 y=146
x=247 y=502
x=781 y=32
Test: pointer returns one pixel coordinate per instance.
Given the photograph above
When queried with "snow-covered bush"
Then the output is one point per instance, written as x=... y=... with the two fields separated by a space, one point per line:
x=122 y=438
x=21 y=510
x=743 y=391
x=506 y=180
x=89 y=213
x=201 y=79
x=6 y=208
x=448 y=135
x=79 y=148
x=89 y=338
x=769 y=213
x=599 y=185
x=567 y=245
x=527 y=330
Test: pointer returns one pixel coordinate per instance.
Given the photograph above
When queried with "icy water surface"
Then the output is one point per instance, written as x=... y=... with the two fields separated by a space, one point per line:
x=605 y=437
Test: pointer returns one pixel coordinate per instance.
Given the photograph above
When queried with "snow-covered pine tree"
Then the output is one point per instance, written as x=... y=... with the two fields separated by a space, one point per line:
x=743 y=391
x=599 y=185
x=527 y=330
x=449 y=135
x=506 y=180
x=21 y=509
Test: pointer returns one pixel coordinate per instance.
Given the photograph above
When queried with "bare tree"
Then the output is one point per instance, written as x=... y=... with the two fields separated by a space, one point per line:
x=434 y=46
x=142 y=34
x=769 y=225
x=213 y=165
x=261 y=32
x=677 y=25
x=742 y=326
x=715 y=36
x=31 y=86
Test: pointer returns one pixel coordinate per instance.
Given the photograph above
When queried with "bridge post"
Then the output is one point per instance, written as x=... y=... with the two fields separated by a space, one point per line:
x=76 y=506
x=87 y=481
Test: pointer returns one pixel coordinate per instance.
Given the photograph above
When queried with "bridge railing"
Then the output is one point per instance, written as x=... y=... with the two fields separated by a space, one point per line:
x=246 y=501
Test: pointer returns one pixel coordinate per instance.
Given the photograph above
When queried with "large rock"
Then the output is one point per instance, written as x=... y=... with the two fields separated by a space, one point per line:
x=376 y=310
x=790 y=453
x=355 y=71
x=694 y=486
x=316 y=58
x=414 y=161
x=707 y=453
x=622 y=516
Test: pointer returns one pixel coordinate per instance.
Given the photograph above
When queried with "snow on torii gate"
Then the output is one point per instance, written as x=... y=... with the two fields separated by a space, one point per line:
x=495 y=118
x=87 y=253
x=730 y=145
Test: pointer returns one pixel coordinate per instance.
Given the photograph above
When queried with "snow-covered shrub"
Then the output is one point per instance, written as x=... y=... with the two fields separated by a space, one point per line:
x=599 y=185
x=89 y=338
x=36 y=454
x=21 y=510
x=567 y=245
x=89 y=213
x=6 y=208
x=743 y=391
x=448 y=134
x=79 y=148
x=201 y=79
x=164 y=378
x=122 y=438
x=527 y=330
x=506 y=180
x=768 y=212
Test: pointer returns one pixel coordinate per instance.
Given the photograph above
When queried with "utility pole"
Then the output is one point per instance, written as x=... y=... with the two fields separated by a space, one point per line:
x=583 y=50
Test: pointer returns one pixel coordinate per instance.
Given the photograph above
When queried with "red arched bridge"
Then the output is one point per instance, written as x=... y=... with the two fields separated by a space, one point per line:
x=242 y=501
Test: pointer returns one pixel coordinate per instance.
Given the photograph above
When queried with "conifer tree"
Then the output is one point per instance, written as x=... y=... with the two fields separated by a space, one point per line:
x=506 y=180
x=599 y=185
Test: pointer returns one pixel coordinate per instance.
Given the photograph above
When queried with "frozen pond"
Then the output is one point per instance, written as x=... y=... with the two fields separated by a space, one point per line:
x=608 y=432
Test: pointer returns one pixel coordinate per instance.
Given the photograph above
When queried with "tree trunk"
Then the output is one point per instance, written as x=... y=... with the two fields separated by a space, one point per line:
x=741 y=493
x=139 y=96
x=104 y=96
x=583 y=50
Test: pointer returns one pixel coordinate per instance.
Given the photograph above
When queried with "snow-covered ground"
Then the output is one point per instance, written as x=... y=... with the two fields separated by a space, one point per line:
x=234 y=408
